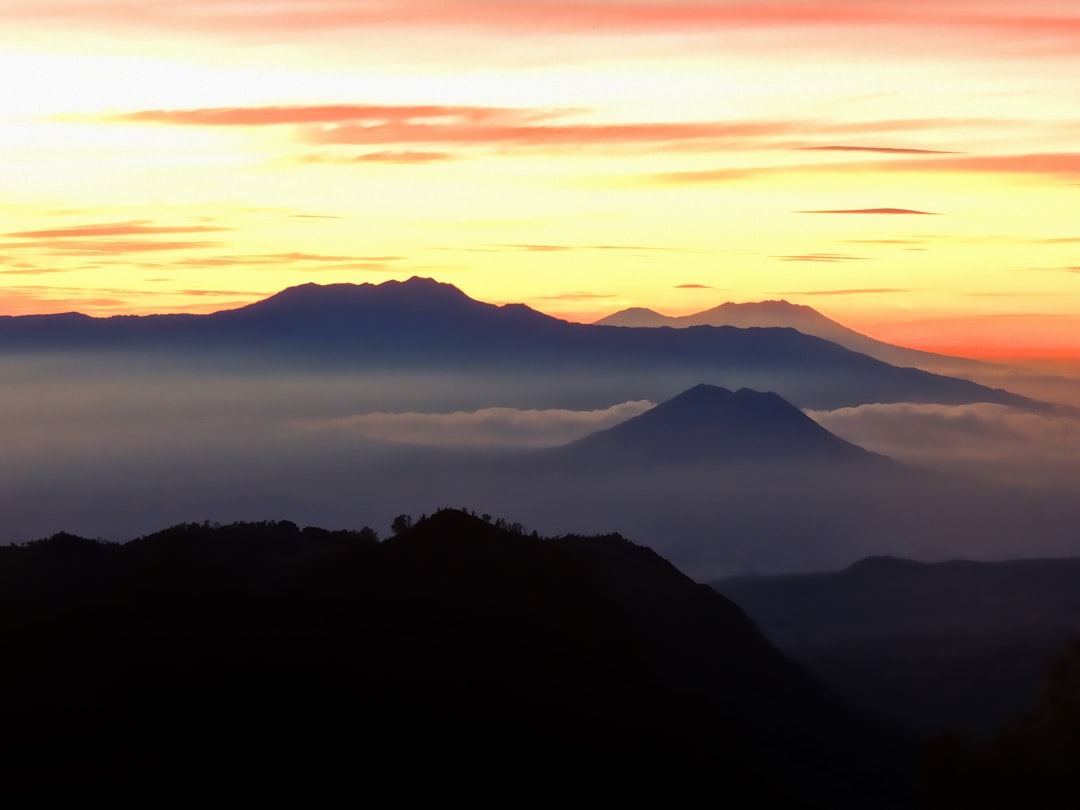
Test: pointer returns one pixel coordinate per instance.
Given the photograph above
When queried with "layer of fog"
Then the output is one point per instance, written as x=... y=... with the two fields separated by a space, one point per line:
x=484 y=428
x=105 y=450
x=980 y=440
x=1058 y=383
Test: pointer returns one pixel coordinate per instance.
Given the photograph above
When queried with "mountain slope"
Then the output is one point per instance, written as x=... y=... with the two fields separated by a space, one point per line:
x=957 y=645
x=455 y=658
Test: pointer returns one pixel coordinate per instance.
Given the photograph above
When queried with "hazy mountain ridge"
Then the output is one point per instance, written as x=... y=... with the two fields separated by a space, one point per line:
x=960 y=644
x=424 y=325
x=805 y=319
x=474 y=655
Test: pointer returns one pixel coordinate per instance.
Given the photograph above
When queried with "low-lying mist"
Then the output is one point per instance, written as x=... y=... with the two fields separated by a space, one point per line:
x=104 y=448
x=980 y=440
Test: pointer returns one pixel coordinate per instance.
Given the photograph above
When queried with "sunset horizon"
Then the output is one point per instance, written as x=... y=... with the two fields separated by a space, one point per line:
x=909 y=171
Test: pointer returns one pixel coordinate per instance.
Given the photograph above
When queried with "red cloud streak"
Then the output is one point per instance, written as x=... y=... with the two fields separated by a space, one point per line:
x=129 y=228
x=870 y=211
x=1059 y=164
x=588 y=17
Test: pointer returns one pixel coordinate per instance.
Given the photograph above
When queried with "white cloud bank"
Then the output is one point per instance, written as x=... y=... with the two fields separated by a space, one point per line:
x=985 y=440
x=487 y=427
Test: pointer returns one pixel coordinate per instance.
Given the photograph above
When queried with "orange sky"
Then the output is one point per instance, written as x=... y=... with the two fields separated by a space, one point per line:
x=908 y=168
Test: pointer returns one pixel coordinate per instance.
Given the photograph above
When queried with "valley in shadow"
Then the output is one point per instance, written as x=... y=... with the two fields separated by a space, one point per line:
x=957 y=646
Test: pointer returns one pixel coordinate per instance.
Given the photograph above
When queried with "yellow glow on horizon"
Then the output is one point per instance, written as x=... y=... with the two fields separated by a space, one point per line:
x=580 y=171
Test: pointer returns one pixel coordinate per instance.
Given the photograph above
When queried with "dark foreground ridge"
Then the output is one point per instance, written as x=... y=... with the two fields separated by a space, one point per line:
x=456 y=659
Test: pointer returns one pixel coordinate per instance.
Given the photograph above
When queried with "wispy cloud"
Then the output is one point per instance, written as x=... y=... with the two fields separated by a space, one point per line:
x=11 y=266
x=461 y=126
x=284 y=259
x=859 y=291
x=32 y=271
x=822 y=257
x=1055 y=164
x=883 y=241
x=552 y=248
x=1063 y=164
x=404 y=156
x=488 y=427
x=693 y=287
x=224 y=293
x=130 y=236
x=579 y=295
x=35 y=299
x=536 y=248
x=428 y=133
x=889 y=150
x=868 y=211
x=1047 y=26
x=105 y=246
x=135 y=227
x=327 y=114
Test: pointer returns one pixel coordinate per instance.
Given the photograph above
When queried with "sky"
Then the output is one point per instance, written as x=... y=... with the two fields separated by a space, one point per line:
x=908 y=168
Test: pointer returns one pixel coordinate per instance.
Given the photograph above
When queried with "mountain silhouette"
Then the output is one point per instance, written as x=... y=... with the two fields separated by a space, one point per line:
x=424 y=325
x=709 y=423
x=455 y=658
x=418 y=305
x=796 y=316
x=643 y=317
x=958 y=645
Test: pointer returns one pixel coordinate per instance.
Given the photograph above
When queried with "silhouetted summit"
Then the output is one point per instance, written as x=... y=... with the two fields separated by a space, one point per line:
x=419 y=295
x=390 y=317
x=743 y=315
x=707 y=422
x=637 y=317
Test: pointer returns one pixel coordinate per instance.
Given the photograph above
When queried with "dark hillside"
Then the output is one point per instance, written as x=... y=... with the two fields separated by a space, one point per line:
x=951 y=646
x=456 y=659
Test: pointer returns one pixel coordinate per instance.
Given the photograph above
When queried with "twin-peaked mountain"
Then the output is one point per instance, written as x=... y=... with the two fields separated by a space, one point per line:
x=424 y=325
x=796 y=316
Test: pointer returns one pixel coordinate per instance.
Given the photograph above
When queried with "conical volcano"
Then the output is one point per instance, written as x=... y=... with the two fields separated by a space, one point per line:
x=709 y=423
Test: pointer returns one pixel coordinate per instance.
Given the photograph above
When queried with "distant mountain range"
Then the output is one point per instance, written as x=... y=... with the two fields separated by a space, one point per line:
x=456 y=658
x=424 y=325
x=957 y=645
x=796 y=316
